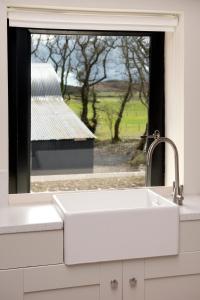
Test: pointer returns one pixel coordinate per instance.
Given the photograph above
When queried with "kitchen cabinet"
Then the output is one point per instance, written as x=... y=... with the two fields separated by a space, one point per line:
x=164 y=278
x=122 y=280
x=159 y=278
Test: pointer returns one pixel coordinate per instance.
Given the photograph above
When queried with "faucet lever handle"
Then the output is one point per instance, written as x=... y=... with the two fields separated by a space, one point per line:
x=181 y=189
x=155 y=135
x=174 y=185
x=147 y=136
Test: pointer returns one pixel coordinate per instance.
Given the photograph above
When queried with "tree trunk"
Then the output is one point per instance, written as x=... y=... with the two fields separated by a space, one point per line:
x=85 y=101
x=94 y=111
x=63 y=88
x=116 y=137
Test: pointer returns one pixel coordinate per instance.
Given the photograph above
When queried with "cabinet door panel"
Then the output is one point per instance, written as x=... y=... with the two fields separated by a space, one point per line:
x=109 y=272
x=78 y=293
x=133 y=270
x=173 y=288
x=11 y=285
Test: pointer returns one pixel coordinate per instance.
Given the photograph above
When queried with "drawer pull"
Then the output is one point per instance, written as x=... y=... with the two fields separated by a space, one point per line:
x=133 y=282
x=114 y=284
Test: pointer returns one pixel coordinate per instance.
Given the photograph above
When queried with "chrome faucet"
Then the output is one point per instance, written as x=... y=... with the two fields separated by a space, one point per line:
x=177 y=188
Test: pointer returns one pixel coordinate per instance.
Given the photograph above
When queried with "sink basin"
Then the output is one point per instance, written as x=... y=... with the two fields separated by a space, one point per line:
x=117 y=224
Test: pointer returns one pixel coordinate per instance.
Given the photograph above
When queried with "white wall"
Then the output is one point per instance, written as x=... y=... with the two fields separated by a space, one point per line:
x=184 y=103
x=3 y=107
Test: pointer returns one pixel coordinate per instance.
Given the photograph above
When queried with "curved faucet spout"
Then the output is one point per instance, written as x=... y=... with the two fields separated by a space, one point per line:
x=177 y=189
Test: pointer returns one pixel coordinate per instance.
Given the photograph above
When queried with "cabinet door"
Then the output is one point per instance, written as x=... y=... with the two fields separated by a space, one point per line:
x=173 y=288
x=75 y=293
x=11 y=285
x=133 y=280
x=111 y=281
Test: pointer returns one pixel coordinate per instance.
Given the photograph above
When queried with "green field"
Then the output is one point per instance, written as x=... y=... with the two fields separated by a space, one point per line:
x=133 y=122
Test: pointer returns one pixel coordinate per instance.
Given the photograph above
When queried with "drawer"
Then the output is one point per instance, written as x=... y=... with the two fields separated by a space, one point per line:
x=182 y=264
x=31 y=249
x=190 y=236
x=78 y=293
x=60 y=276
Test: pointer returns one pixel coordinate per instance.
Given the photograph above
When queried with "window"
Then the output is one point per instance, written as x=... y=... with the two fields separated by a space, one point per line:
x=78 y=106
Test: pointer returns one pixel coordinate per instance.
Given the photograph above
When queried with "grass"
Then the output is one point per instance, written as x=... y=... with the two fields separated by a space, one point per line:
x=134 y=117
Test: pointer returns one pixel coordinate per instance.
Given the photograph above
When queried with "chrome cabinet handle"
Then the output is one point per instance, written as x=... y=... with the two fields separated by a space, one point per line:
x=114 y=284
x=133 y=282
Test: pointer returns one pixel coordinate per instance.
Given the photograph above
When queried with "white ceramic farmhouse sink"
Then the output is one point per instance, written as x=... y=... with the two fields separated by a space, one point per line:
x=117 y=224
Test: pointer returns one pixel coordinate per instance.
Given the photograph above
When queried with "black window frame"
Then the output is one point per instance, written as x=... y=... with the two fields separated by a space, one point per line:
x=19 y=83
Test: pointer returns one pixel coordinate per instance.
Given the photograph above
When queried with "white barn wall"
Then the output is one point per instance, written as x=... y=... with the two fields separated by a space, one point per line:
x=185 y=135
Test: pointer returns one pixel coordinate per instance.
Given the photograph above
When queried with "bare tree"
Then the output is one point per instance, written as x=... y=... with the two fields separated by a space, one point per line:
x=140 y=47
x=124 y=45
x=64 y=47
x=60 y=49
x=94 y=119
x=90 y=69
x=134 y=52
x=110 y=113
x=35 y=43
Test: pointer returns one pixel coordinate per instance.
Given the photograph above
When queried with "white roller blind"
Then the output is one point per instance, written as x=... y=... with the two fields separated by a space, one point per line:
x=91 y=20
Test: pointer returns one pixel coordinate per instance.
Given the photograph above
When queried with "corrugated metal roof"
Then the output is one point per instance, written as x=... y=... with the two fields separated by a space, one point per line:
x=44 y=80
x=51 y=118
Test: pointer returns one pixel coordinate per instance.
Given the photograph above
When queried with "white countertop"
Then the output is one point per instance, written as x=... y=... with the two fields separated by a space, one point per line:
x=191 y=208
x=40 y=217
x=27 y=218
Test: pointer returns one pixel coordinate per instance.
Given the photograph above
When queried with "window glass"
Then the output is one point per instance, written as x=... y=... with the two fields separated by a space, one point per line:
x=89 y=108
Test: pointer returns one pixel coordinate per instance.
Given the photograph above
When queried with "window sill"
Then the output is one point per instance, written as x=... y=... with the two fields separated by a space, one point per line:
x=47 y=197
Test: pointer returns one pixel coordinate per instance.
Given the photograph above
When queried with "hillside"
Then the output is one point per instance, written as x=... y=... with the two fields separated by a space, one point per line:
x=105 y=86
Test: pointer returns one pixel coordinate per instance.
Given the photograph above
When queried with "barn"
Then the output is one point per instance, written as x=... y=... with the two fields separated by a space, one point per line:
x=60 y=141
